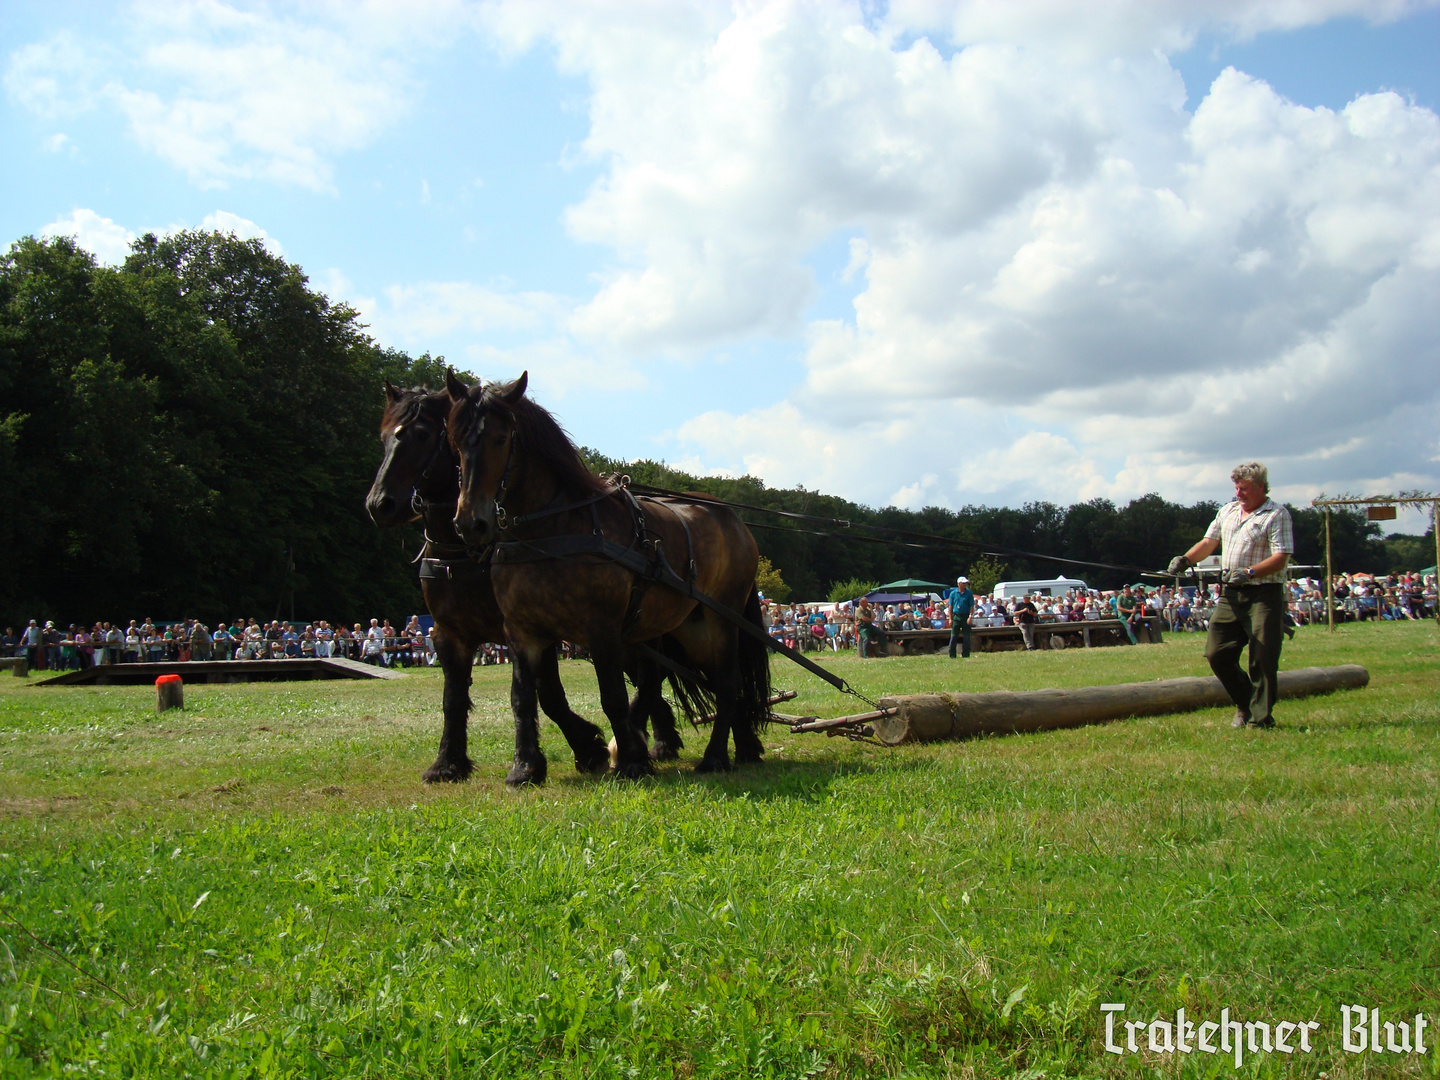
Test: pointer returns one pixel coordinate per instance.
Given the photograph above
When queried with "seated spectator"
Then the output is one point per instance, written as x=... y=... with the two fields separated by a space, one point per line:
x=374 y=647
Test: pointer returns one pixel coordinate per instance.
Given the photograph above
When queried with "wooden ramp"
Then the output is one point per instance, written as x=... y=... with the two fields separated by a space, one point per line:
x=221 y=671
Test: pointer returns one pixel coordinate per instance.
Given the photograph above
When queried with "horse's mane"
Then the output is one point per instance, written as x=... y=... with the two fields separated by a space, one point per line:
x=541 y=434
x=538 y=433
x=406 y=409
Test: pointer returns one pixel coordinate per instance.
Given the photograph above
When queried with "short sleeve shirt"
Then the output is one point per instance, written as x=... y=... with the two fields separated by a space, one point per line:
x=962 y=602
x=1245 y=541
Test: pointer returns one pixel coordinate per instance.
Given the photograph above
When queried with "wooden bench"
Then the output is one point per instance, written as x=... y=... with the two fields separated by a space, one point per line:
x=19 y=666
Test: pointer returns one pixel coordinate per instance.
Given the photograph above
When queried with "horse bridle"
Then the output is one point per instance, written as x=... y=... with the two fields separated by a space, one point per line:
x=502 y=517
x=420 y=503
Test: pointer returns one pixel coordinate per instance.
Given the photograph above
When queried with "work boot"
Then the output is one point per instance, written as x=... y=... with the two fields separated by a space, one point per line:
x=1242 y=719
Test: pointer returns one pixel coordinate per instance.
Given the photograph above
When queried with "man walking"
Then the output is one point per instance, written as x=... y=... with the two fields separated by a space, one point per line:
x=961 y=602
x=1256 y=539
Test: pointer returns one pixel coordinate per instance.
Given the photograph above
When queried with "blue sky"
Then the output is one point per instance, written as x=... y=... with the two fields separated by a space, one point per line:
x=939 y=253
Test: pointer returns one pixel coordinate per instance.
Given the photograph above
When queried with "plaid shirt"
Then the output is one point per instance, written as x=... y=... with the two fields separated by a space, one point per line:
x=1243 y=543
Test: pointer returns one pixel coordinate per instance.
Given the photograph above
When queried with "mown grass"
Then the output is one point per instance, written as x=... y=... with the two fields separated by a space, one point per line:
x=261 y=886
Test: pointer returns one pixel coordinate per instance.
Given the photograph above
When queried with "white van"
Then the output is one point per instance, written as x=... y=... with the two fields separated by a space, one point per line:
x=1059 y=586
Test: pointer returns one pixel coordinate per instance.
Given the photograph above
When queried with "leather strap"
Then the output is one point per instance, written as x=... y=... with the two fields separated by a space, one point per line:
x=452 y=569
x=569 y=545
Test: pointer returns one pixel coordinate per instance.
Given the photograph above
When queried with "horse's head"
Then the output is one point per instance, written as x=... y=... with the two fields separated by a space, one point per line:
x=417 y=460
x=482 y=427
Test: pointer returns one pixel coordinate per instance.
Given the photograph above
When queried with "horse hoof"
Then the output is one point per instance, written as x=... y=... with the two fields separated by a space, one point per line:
x=749 y=757
x=526 y=773
x=596 y=760
x=448 y=772
x=664 y=751
x=713 y=765
x=634 y=770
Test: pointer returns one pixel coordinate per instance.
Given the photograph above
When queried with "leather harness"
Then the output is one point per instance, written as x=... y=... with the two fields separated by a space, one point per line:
x=644 y=558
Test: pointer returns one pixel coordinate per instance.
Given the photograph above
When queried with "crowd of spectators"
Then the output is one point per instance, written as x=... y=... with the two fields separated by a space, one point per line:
x=808 y=627
x=1358 y=597
x=1362 y=597
x=811 y=627
x=49 y=647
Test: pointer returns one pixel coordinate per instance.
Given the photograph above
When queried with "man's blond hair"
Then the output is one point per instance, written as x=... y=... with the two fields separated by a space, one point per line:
x=1254 y=472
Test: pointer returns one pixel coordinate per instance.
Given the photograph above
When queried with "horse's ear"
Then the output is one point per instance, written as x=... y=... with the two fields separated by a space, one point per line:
x=392 y=392
x=516 y=390
x=454 y=387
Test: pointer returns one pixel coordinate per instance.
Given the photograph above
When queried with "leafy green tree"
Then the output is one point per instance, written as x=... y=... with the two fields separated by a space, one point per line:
x=182 y=428
x=1405 y=554
x=770 y=583
x=984 y=573
x=850 y=589
x=1354 y=541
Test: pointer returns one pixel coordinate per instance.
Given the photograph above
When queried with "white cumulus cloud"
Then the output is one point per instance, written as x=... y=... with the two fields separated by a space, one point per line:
x=102 y=237
x=228 y=91
x=1070 y=285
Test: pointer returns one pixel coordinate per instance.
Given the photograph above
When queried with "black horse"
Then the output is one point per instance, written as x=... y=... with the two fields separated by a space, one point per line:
x=418 y=479
x=526 y=495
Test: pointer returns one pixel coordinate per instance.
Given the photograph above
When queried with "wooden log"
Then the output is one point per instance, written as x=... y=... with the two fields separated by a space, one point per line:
x=169 y=693
x=933 y=717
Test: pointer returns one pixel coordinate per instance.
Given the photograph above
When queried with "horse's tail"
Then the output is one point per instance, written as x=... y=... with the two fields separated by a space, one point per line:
x=754 y=710
x=696 y=701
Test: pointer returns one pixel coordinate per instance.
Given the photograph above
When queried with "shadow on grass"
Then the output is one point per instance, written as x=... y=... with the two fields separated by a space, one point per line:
x=803 y=781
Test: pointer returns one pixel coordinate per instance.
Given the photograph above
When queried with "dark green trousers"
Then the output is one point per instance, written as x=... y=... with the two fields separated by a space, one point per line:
x=870 y=636
x=960 y=632
x=1252 y=615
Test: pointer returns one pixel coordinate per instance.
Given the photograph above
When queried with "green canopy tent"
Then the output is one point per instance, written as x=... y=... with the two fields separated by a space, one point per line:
x=907 y=590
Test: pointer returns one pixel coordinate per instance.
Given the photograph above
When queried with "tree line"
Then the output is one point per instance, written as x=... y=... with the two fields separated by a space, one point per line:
x=192 y=433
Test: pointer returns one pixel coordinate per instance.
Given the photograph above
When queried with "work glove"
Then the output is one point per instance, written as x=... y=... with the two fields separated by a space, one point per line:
x=1238 y=577
x=1178 y=565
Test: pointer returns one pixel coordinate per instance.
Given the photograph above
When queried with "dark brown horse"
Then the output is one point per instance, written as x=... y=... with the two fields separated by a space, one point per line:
x=418 y=479
x=526 y=495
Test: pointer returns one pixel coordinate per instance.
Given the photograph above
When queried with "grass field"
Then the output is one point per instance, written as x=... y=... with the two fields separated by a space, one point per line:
x=261 y=886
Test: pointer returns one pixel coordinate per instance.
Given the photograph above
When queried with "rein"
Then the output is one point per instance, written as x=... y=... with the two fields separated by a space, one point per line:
x=905 y=538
